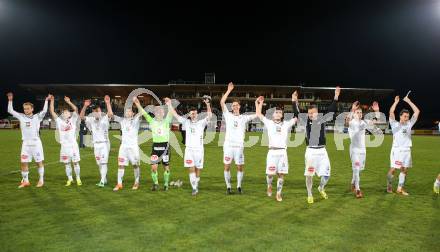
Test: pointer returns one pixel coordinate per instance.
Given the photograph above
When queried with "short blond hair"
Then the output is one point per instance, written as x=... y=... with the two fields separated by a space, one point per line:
x=28 y=104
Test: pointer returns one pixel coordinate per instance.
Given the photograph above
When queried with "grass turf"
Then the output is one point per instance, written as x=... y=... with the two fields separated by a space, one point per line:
x=58 y=218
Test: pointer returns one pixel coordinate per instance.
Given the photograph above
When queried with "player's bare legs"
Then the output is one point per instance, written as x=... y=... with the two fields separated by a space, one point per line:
x=137 y=175
x=280 y=183
x=240 y=173
x=121 y=171
x=437 y=185
x=227 y=175
x=25 y=175
x=390 y=177
x=402 y=176
x=309 y=186
x=269 y=179
x=41 y=174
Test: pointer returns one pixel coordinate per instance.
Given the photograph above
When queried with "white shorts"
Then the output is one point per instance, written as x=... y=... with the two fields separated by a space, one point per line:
x=101 y=151
x=69 y=153
x=235 y=153
x=128 y=154
x=193 y=158
x=32 y=149
x=358 y=157
x=276 y=162
x=317 y=162
x=400 y=157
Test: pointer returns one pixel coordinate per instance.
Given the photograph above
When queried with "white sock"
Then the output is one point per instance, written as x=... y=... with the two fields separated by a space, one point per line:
x=356 y=178
x=69 y=171
x=103 y=171
x=137 y=174
x=193 y=180
x=239 y=178
x=309 y=185
x=353 y=179
x=280 y=182
x=197 y=181
x=41 y=173
x=436 y=183
x=269 y=180
x=227 y=175
x=77 y=169
x=402 y=179
x=120 y=175
x=25 y=175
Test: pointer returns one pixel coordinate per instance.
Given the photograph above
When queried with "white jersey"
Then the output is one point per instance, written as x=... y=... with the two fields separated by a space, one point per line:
x=130 y=129
x=29 y=125
x=402 y=132
x=356 y=131
x=99 y=128
x=67 y=129
x=193 y=132
x=278 y=132
x=235 y=128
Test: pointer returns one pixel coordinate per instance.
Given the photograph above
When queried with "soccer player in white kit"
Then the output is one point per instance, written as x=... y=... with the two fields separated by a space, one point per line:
x=31 y=147
x=194 y=150
x=67 y=125
x=278 y=133
x=358 y=151
x=234 y=139
x=436 y=187
x=316 y=157
x=98 y=124
x=400 y=156
x=129 y=149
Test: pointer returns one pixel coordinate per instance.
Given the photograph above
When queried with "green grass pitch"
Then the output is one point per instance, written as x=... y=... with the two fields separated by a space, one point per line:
x=88 y=218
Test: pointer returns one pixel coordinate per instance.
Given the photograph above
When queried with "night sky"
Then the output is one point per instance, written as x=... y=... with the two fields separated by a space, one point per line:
x=378 y=44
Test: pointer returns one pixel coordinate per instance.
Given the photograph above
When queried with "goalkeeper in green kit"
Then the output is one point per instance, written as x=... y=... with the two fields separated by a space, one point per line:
x=160 y=128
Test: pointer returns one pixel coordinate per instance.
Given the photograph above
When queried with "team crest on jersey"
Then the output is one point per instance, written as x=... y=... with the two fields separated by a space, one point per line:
x=235 y=124
x=28 y=124
x=278 y=129
x=404 y=131
x=193 y=130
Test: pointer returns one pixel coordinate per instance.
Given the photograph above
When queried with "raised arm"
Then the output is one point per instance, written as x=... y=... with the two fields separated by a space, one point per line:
x=52 y=108
x=413 y=107
x=393 y=108
x=67 y=100
x=43 y=112
x=354 y=107
x=109 y=106
x=333 y=105
x=259 y=107
x=11 y=107
x=170 y=107
x=208 y=108
x=295 y=106
x=225 y=96
x=84 y=108
x=141 y=110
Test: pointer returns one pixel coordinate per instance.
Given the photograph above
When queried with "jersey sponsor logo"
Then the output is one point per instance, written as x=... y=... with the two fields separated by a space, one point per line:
x=189 y=161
